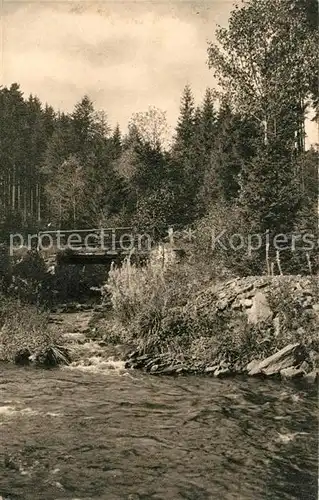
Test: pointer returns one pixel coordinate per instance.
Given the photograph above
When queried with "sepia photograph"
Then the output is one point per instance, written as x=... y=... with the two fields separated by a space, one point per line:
x=159 y=249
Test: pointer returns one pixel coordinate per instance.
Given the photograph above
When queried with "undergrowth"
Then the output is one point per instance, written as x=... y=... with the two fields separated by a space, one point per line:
x=154 y=309
x=24 y=329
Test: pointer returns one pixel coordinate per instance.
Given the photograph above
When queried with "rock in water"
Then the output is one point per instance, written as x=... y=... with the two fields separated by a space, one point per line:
x=51 y=356
x=22 y=357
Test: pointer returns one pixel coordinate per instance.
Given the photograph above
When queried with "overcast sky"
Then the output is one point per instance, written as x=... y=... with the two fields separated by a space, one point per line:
x=124 y=55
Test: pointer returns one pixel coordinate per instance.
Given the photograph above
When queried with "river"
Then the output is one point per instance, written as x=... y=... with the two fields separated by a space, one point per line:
x=105 y=433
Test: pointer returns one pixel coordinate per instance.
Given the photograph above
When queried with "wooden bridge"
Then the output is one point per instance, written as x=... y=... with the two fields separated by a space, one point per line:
x=93 y=246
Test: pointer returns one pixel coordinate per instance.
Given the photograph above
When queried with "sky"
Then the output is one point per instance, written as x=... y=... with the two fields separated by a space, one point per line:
x=126 y=55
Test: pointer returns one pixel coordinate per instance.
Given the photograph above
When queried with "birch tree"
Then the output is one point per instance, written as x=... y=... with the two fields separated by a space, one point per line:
x=266 y=61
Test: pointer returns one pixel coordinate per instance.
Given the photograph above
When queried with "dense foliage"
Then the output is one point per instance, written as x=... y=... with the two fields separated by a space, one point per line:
x=240 y=154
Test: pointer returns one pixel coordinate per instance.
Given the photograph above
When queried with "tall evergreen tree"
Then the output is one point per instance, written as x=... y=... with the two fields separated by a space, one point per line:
x=116 y=142
x=208 y=123
x=185 y=128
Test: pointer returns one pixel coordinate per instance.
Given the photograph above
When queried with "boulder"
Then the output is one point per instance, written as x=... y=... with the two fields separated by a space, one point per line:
x=292 y=372
x=312 y=377
x=289 y=356
x=51 y=356
x=22 y=357
x=77 y=338
x=260 y=310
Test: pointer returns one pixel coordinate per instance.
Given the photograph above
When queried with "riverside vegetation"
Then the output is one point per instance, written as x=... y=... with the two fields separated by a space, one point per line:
x=173 y=315
x=179 y=322
x=236 y=160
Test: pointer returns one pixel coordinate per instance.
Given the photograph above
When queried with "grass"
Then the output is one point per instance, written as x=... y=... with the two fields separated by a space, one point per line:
x=141 y=296
x=158 y=309
x=24 y=333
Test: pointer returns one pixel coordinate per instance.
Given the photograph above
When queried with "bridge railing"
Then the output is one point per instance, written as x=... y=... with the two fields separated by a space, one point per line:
x=121 y=239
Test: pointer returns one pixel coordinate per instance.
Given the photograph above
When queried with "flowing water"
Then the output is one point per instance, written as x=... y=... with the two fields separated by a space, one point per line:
x=100 y=432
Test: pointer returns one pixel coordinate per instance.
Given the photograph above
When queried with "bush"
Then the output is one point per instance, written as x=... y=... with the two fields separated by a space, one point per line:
x=141 y=296
x=159 y=310
x=134 y=289
x=24 y=334
x=29 y=280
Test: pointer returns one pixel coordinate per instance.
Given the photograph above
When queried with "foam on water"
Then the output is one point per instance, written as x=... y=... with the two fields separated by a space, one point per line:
x=123 y=434
x=287 y=438
x=97 y=364
x=11 y=410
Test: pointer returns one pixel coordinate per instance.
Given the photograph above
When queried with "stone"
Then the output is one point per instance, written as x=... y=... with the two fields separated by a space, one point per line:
x=51 y=356
x=221 y=372
x=22 y=357
x=260 y=310
x=253 y=367
x=291 y=355
x=292 y=372
x=246 y=303
x=312 y=377
x=211 y=369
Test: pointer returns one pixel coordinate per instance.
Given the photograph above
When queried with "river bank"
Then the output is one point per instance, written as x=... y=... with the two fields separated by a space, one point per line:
x=253 y=326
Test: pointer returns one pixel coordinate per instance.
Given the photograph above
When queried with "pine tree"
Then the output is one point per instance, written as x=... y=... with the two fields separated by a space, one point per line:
x=208 y=123
x=116 y=142
x=185 y=128
x=82 y=122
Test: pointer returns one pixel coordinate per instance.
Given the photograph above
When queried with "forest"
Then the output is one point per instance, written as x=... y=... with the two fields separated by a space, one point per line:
x=236 y=160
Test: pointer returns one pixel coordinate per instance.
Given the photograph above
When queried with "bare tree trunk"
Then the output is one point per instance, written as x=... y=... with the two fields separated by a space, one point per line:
x=278 y=262
x=267 y=255
x=38 y=202
x=309 y=262
x=266 y=139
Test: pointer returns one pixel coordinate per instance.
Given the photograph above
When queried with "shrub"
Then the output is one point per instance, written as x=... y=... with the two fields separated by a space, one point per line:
x=24 y=333
x=142 y=296
x=164 y=317
x=133 y=289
